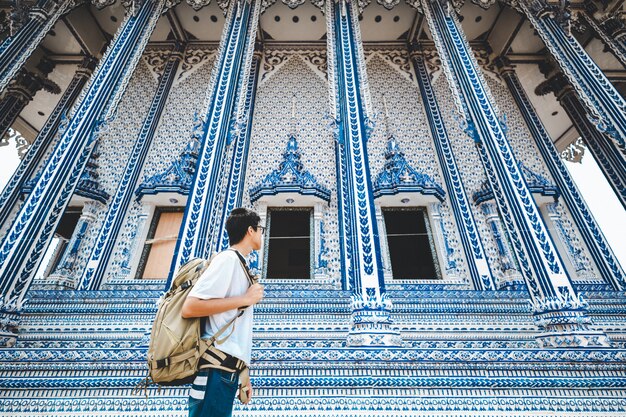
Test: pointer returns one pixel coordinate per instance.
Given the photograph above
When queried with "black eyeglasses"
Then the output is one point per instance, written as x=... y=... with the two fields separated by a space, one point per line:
x=258 y=226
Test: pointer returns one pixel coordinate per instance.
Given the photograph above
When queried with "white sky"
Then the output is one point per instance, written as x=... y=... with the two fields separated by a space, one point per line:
x=600 y=198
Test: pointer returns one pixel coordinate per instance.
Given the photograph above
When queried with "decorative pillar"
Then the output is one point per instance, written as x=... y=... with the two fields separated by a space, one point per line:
x=92 y=276
x=16 y=49
x=19 y=93
x=384 y=244
x=580 y=263
x=232 y=68
x=615 y=27
x=256 y=259
x=602 y=100
x=320 y=270
x=64 y=274
x=591 y=233
x=611 y=31
x=443 y=239
x=611 y=161
x=11 y=193
x=131 y=254
x=361 y=260
x=560 y=312
x=31 y=232
x=512 y=279
x=480 y=272
x=239 y=160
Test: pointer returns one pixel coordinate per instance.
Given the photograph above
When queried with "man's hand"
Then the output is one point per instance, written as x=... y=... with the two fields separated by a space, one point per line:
x=248 y=393
x=254 y=294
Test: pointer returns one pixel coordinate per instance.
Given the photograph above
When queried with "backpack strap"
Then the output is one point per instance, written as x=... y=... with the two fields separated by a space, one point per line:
x=215 y=358
x=252 y=279
x=214 y=338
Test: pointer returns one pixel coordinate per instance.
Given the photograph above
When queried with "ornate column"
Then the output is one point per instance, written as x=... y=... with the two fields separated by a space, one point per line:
x=30 y=234
x=595 y=241
x=577 y=258
x=37 y=150
x=240 y=135
x=560 y=312
x=611 y=160
x=92 y=276
x=443 y=237
x=361 y=260
x=384 y=245
x=321 y=251
x=18 y=95
x=232 y=68
x=512 y=279
x=480 y=272
x=16 y=49
x=611 y=30
x=602 y=100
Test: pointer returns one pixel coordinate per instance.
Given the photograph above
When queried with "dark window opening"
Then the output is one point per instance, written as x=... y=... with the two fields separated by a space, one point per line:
x=410 y=244
x=289 y=244
x=64 y=233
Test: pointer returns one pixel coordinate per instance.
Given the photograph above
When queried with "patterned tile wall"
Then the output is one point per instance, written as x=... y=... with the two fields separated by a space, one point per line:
x=117 y=143
x=272 y=124
x=389 y=75
x=170 y=138
x=289 y=74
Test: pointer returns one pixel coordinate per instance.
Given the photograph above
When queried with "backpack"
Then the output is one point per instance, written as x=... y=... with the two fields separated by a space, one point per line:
x=175 y=345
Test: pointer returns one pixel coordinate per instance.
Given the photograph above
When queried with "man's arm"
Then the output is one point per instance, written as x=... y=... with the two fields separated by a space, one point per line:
x=197 y=307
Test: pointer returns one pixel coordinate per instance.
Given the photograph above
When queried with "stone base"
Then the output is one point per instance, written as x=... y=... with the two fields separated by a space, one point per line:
x=9 y=322
x=372 y=327
x=573 y=339
x=512 y=281
x=568 y=329
x=383 y=338
x=7 y=340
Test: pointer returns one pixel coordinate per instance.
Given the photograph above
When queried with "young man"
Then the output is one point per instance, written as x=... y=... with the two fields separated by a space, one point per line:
x=221 y=290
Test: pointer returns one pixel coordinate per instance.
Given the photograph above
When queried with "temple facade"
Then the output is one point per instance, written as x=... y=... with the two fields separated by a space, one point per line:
x=427 y=251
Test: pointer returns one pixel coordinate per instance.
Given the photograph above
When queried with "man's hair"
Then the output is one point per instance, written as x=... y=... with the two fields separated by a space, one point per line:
x=238 y=222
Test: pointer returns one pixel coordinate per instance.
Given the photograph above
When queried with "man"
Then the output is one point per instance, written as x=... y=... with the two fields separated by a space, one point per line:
x=221 y=290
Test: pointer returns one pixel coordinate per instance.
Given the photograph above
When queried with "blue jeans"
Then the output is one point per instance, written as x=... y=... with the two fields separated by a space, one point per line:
x=212 y=393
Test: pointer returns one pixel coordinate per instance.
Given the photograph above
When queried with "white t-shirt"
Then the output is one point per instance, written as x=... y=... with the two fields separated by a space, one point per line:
x=224 y=278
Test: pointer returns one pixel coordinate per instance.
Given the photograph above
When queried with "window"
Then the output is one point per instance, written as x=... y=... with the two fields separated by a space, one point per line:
x=289 y=243
x=62 y=237
x=158 y=250
x=411 y=248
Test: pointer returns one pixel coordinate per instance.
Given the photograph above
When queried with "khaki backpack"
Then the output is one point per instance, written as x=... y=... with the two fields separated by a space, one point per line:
x=175 y=345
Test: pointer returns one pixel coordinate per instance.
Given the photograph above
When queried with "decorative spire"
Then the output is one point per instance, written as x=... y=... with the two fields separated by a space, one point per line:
x=537 y=184
x=290 y=177
x=397 y=175
x=178 y=177
x=88 y=185
x=484 y=193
